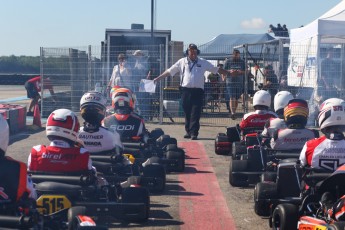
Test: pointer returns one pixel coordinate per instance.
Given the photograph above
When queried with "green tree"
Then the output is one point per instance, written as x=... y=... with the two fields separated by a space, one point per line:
x=20 y=64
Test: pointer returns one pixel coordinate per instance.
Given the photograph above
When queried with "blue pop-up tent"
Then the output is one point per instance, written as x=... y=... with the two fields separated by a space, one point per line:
x=221 y=46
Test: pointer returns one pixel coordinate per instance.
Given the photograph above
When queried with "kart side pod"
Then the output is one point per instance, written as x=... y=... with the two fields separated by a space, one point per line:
x=223 y=142
x=233 y=133
x=222 y=145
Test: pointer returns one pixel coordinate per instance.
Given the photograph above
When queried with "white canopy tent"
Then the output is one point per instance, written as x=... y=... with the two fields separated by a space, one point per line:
x=328 y=28
x=327 y=31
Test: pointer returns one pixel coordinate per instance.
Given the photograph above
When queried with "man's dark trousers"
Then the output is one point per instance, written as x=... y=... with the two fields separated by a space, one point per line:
x=192 y=101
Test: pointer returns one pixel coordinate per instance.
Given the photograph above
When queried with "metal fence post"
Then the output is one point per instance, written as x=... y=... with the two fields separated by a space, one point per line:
x=89 y=70
x=160 y=85
x=73 y=56
x=41 y=74
x=245 y=93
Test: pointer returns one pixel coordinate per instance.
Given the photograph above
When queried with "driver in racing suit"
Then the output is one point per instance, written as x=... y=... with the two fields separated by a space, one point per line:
x=127 y=123
x=281 y=99
x=63 y=155
x=15 y=184
x=327 y=152
x=96 y=138
x=295 y=134
x=256 y=120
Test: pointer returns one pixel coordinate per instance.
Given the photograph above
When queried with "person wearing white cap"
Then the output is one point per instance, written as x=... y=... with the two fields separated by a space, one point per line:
x=141 y=71
x=192 y=69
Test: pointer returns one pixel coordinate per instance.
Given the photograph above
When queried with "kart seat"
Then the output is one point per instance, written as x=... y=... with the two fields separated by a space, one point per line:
x=250 y=130
x=58 y=188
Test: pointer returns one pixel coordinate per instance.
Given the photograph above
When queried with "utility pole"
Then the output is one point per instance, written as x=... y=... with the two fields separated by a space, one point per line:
x=152 y=18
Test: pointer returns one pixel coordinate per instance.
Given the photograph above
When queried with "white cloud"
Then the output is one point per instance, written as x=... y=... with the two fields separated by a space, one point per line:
x=254 y=23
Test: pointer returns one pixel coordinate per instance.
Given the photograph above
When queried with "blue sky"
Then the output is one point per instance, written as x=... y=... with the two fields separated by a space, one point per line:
x=28 y=25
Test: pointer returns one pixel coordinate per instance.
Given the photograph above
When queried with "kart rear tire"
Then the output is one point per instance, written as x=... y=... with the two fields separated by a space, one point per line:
x=156 y=133
x=222 y=139
x=164 y=140
x=173 y=141
x=134 y=180
x=156 y=171
x=339 y=225
x=238 y=166
x=285 y=217
x=269 y=176
x=137 y=195
x=71 y=216
x=180 y=156
x=238 y=148
x=171 y=147
x=263 y=192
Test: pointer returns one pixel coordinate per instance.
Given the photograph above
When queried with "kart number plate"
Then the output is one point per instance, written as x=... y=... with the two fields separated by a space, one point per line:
x=312 y=227
x=48 y=204
x=130 y=157
x=320 y=227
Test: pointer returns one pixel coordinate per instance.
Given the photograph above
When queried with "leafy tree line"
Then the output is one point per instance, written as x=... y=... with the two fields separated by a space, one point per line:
x=20 y=64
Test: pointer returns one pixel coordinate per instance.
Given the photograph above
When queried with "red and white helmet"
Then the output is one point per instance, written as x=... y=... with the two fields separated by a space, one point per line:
x=281 y=99
x=62 y=123
x=4 y=132
x=262 y=97
x=332 y=114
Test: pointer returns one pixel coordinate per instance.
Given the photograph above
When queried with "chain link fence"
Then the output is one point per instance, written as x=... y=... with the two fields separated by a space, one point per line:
x=74 y=71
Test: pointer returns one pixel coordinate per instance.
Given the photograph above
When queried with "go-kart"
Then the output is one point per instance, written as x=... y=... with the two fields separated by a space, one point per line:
x=319 y=205
x=150 y=161
x=59 y=192
x=158 y=145
x=258 y=162
x=111 y=165
x=30 y=214
x=279 y=185
x=235 y=141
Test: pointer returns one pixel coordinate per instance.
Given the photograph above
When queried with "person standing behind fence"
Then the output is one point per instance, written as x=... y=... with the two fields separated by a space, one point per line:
x=141 y=71
x=235 y=80
x=330 y=72
x=33 y=87
x=270 y=82
x=121 y=75
x=192 y=82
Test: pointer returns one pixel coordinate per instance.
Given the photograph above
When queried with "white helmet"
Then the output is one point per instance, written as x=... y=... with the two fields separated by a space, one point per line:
x=4 y=132
x=281 y=99
x=93 y=106
x=93 y=97
x=332 y=101
x=62 y=123
x=331 y=114
x=262 y=97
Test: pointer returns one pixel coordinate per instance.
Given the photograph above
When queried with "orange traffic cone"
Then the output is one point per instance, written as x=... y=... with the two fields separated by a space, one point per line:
x=37 y=116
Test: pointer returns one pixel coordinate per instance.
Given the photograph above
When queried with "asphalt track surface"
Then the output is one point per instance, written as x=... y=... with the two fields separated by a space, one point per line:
x=198 y=198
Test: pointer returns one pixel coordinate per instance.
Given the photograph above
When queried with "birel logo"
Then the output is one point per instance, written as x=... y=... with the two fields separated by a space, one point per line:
x=59 y=156
x=258 y=120
x=301 y=139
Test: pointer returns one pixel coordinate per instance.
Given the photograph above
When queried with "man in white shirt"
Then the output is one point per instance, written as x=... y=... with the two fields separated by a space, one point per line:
x=192 y=82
